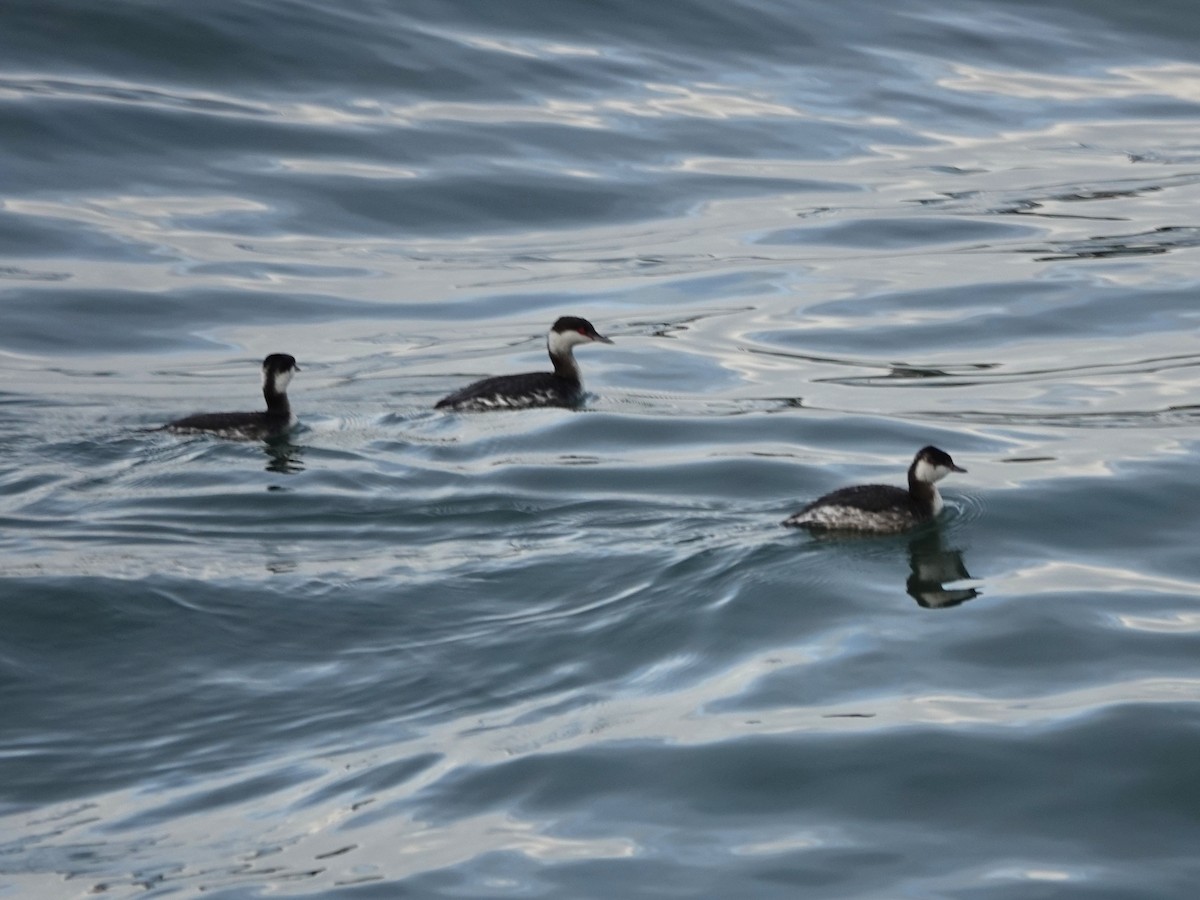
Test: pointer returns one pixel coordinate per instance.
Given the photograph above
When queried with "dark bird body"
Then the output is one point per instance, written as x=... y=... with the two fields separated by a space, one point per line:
x=882 y=508
x=562 y=387
x=277 y=419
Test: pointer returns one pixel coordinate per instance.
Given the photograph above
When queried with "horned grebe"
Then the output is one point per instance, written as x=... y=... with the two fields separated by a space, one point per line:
x=277 y=372
x=562 y=387
x=881 y=508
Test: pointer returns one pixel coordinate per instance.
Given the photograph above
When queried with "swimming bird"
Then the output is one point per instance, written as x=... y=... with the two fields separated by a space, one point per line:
x=562 y=387
x=881 y=508
x=277 y=372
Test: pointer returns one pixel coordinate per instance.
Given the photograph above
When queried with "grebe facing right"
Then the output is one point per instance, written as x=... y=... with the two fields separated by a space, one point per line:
x=562 y=387
x=277 y=372
x=881 y=508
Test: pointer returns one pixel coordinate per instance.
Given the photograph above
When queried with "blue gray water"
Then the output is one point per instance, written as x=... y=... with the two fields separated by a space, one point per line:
x=571 y=654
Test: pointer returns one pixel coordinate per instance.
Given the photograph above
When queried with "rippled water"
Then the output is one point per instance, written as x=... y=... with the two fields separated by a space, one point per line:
x=572 y=653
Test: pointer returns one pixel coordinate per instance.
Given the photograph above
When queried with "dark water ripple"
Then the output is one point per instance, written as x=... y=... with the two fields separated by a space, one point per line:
x=573 y=653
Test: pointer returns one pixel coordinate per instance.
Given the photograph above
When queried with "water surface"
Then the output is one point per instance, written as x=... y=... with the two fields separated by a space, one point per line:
x=562 y=653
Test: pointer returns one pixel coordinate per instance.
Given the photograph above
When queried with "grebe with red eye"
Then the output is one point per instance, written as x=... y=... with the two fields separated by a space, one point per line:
x=882 y=508
x=562 y=387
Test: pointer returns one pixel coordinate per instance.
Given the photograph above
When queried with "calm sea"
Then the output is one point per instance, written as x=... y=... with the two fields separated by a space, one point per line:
x=572 y=654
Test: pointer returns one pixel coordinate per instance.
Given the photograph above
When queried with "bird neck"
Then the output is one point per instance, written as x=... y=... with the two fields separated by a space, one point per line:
x=564 y=363
x=924 y=491
x=277 y=401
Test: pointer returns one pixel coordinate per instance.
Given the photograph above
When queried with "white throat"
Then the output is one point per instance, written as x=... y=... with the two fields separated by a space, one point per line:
x=282 y=380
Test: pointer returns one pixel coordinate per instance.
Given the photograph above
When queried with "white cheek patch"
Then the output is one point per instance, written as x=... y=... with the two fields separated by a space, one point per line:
x=561 y=341
x=282 y=380
x=929 y=473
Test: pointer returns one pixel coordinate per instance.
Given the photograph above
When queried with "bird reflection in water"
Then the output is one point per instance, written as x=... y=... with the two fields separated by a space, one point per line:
x=934 y=572
x=283 y=456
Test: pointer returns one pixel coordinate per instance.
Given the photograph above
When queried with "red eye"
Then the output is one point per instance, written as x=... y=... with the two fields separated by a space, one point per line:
x=583 y=332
